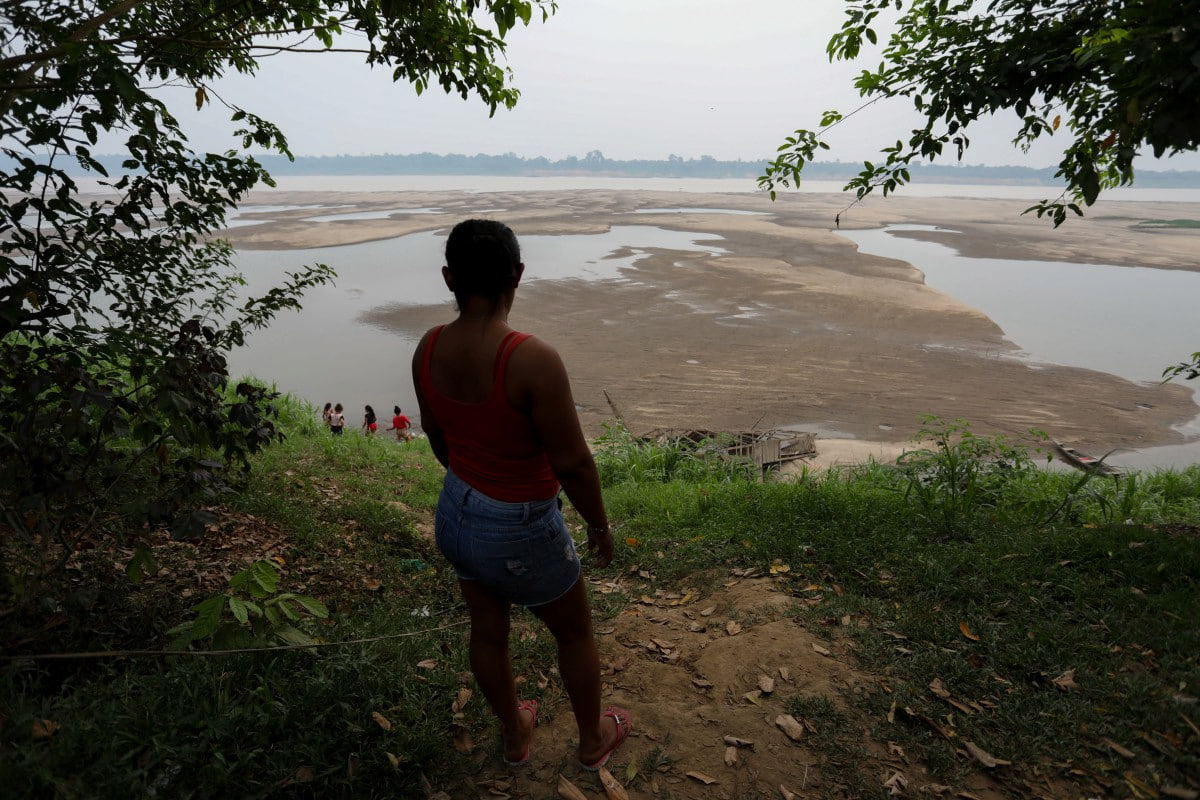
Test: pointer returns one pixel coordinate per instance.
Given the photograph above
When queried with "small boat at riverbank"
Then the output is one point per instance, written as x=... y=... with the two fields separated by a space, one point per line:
x=1085 y=462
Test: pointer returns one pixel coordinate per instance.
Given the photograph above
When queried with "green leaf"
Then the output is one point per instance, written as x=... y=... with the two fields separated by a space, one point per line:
x=239 y=610
x=313 y=606
x=141 y=565
x=208 y=617
x=265 y=575
x=292 y=635
x=283 y=605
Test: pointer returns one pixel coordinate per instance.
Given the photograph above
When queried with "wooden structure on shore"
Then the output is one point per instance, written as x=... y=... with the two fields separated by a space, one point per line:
x=1082 y=461
x=767 y=448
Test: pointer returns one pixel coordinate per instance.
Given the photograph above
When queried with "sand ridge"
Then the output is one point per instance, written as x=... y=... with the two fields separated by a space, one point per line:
x=791 y=326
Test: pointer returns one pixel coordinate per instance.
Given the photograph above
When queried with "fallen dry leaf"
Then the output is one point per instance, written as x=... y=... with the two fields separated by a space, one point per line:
x=966 y=631
x=614 y=790
x=696 y=627
x=737 y=741
x=895 y=750
x=941 y=691
x=1179 y=792
x=753 y=697
x=707 y=612
x=700 y=683
x=730 y=756
x=429 y=663
x=707 y=780
x=896 y=784
x=787 y=795
x=381 y=720
x=393 y=759
x=1124 y=752
x=568 y=790
x=784 y=674
x=821 y=650
x=45 y=728
x=372 y=584
x=460 y=702
x=1066 y=681
x=303 y=774
x=983 y=757
x=790 y=726
x=766 y=684
x=732 y=628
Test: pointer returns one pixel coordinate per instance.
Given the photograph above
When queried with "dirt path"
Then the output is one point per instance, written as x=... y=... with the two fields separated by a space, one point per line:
x=690 y=664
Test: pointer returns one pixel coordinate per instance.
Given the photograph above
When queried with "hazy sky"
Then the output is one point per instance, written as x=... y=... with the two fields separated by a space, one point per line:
x=631 y=78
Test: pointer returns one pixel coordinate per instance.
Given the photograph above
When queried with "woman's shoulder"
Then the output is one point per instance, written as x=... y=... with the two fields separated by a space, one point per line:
x=536 y=357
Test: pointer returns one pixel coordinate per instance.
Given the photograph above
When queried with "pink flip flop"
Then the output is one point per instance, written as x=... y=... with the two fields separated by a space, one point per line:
x=532 y=707
x=624 y=726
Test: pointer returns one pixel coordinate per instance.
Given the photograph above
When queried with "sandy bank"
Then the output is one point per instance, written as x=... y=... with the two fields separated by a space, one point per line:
x=792 y=326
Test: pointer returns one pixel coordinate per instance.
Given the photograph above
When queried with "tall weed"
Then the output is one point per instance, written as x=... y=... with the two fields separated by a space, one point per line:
x=959 y=479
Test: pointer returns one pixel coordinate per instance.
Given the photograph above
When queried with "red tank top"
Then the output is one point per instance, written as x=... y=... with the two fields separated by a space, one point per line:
x=492 y=446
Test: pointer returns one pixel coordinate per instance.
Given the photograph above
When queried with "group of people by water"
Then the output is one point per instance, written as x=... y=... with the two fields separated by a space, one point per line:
x=334 y=417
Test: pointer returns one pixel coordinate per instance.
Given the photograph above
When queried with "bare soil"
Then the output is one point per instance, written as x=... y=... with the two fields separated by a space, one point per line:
x=687 y=664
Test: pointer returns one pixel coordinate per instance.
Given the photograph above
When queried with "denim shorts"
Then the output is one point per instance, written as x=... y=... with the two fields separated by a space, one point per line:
x=521 y=551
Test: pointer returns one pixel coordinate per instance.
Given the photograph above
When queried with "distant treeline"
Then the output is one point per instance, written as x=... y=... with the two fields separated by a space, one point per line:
x=594 y=163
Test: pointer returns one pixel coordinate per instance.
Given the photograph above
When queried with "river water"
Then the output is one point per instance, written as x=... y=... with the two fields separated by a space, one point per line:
x=1126 y=321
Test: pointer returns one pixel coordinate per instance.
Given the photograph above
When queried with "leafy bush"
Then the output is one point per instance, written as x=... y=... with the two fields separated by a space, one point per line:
x=960 y=479
x=254 y=613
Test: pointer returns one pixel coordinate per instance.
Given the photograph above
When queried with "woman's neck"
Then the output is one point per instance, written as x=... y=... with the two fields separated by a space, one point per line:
x=482 y=312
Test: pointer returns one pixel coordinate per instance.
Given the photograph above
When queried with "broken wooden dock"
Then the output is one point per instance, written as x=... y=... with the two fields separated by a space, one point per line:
x=766 y=448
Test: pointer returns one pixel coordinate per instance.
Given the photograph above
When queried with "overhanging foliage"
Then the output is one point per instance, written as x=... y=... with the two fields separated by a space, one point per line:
x=1118 y=77
x=117 y=308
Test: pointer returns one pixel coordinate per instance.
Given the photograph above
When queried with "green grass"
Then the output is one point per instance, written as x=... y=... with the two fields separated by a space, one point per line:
x=1046 y=572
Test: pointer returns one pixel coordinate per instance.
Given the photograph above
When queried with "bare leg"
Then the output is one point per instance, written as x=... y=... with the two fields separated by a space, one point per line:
x=569 y=619
x=492 y=667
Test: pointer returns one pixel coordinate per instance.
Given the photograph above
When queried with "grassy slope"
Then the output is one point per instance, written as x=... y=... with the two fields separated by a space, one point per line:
x=991 y=603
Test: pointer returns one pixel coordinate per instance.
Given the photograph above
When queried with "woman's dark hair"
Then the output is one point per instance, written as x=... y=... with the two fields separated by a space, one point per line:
x=484 y=257
x=396 y=410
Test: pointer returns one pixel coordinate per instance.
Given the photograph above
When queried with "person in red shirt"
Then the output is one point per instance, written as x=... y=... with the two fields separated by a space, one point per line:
x=402 y=425
x=497 y=408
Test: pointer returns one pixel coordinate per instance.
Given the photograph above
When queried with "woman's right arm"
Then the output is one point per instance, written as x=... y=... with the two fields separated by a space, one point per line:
x=437 y=439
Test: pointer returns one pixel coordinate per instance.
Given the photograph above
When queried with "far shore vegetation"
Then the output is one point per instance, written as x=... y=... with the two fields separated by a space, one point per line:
x=1054 y=613
x=594 y=163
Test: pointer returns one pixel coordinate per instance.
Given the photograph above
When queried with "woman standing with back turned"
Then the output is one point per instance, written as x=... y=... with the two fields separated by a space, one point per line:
x=497 y=407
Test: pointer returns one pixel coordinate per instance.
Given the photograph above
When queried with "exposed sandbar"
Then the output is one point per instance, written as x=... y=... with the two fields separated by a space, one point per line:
x=840 y=342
